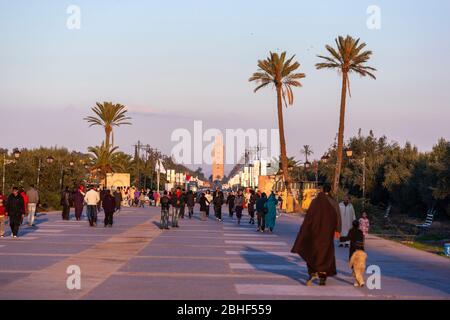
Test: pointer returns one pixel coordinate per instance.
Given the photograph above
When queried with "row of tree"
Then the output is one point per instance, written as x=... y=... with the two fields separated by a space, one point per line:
x=74 y=168
x=410 y=180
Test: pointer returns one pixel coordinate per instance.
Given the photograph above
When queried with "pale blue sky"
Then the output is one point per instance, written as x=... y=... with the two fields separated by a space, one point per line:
x=177 y=61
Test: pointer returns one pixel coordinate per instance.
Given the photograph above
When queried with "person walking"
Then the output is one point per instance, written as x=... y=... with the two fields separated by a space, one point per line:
x=109 y=206
x=218 y=202
x=364 y=224
x=239 y=205
x=2 y=215
x=209 y=197
x=33 y=200
x=136 y=197
x=15 y=210
x=125 y=196
x=280 y=202
x=271 y=211
x=230 y=202
x=203 y=201
x=315 y=240
x=65 y=203
x=101 y=193
x=156 y=197
x=131 y=196
x=190 y=202
x=142 y=199
x=251 y=206
x=261 y=212
x=165 y=205
x=175 y=204
x=182 y=203
x=92 y=199
x=25 y=203
x=118 y=199
x=78 y=202
x=347 y=217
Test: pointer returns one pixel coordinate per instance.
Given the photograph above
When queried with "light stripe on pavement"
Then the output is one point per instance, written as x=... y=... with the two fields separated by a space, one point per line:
x=298 y=290
x=48 y=230
x=248 y=235
x=261 y=266
x=271 y=243
x=58 y=225
x=240 y=228
x=261 y=253
x=11 y=239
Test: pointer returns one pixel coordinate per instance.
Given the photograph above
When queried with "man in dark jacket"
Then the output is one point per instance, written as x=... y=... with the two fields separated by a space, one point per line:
x=218 y=202
x=118 y=198
x=15 y=209
x=65 y=203
x=109 y=206
x=251 y=206
x=190 y=202
x=230 y=202
x=165 y=205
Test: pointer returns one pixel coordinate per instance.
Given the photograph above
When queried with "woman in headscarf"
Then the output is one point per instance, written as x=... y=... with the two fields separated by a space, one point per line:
x=315 y=240
x=271 y=206
x=78 y=202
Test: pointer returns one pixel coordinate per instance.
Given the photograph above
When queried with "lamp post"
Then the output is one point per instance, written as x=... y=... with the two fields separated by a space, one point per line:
x=16 y=154
x=61 y=180
x=49 y=161
x=349 y=153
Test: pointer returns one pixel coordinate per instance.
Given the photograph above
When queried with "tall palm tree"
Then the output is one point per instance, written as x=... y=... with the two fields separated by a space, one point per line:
x=108 y=115
x=348 y=57
x=279 y=71
x=307 y=151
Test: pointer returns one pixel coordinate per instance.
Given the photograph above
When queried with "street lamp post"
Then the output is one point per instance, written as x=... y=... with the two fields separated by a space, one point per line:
x=349 y=153
x=61 y=180
x=49 y=160
x=6 y=162
x=364 y=180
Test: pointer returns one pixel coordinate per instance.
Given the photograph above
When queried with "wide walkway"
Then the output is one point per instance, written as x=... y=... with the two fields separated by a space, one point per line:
x=200 y=260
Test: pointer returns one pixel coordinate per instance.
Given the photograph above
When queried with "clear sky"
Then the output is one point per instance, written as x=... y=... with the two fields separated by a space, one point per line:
x=173 y=62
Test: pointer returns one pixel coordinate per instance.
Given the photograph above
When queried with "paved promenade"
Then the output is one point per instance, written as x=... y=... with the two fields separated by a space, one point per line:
x=200 y=260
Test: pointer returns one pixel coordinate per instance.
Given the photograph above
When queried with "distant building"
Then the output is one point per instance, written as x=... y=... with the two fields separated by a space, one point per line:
x=218 y=170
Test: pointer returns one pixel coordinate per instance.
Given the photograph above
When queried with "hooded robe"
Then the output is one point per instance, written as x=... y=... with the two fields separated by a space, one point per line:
x=315 y=240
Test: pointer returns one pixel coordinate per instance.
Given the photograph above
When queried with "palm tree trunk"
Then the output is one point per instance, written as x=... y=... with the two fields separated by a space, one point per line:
x=284 y=162
x=112 y=139
x=107 y=136
x=340 y=145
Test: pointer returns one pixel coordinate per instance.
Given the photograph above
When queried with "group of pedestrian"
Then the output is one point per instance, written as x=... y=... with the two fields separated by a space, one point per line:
x=95 y=199
x=133 y=197
x=256 y=202
x=324 y=222
x=15 y=207
x=174 y=204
